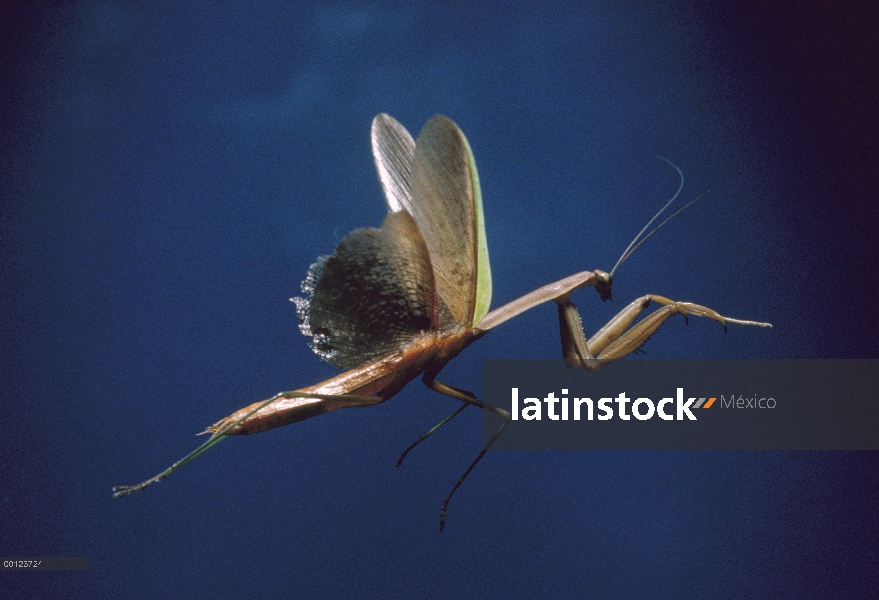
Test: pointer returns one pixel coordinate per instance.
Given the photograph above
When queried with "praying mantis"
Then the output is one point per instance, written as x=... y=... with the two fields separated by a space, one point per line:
x=403 y=300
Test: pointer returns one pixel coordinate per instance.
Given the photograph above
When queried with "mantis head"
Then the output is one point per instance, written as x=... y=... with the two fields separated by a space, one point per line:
x=602 y=286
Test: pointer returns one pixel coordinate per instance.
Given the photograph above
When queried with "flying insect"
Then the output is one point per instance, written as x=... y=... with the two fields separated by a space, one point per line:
x=402 y=300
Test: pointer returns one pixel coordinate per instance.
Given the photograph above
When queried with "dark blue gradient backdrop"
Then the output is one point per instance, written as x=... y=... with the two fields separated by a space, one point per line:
x=168 y=172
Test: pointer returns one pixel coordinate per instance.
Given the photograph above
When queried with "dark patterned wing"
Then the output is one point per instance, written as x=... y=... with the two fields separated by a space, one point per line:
x=372 y=296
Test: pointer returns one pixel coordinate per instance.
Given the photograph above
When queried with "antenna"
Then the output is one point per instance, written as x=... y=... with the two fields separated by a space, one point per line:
x=638 y=240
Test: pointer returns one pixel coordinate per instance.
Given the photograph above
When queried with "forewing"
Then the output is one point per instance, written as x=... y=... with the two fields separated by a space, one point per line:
x=447 y=206
x=394 y=152
x=372 y=296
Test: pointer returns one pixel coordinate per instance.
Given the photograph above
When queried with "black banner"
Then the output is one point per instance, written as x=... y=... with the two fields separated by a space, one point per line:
x=686 y=405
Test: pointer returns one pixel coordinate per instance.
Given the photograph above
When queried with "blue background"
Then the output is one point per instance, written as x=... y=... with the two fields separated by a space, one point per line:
x=169 y=173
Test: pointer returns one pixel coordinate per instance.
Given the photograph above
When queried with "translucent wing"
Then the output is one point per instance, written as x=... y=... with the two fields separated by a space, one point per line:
x=372 y=296
x=447 y=206
x=394 y=152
